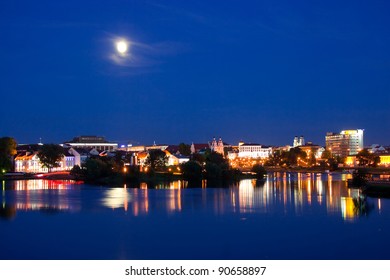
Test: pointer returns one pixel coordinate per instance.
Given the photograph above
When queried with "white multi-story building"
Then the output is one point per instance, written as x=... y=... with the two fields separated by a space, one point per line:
x=254 y=151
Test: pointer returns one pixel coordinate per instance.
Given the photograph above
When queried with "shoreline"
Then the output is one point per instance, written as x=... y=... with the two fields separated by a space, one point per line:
x=170 y=177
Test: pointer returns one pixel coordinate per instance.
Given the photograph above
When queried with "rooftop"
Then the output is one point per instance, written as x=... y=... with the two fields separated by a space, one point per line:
x=88 y=139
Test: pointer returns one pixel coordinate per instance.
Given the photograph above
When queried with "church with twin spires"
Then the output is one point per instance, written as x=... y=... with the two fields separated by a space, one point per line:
x=217 y=146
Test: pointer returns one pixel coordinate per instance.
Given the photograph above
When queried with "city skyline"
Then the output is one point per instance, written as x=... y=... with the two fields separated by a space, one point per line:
x=260 y=72
x=296 y=142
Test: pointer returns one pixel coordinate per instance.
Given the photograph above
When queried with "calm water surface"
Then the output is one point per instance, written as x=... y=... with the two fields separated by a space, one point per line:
x=290 y=216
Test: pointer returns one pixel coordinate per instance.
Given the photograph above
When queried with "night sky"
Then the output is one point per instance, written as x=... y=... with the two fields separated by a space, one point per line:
x=258 y=71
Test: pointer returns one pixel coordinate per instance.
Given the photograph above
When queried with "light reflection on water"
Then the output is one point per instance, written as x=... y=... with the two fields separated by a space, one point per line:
x=28 y=185
x=287 y=193
x=42 y=195
x=283 y=217
x=116 y=198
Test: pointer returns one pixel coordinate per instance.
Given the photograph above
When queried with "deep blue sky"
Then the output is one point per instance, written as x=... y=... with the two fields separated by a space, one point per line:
x=260 y=71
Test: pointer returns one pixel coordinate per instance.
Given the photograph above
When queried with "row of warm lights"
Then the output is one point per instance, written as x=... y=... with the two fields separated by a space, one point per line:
x=249 y=162
x=145 y=169
x=245 y=162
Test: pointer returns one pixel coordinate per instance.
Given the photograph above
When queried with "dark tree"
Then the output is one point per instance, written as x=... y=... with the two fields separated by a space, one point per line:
x=217 y=168
x=275 y=159
x=326 y=154
x=95 y=169
x=213 y=171
x=259 y=170
x=292 y=156
x=7 y=151
x=7 y=146
x=156 y=160
x=360 y=177
x=184 y=149
x=330 y=161
x=5 y=164
x=198 y=157
x=192 y=171
x=77 y=172
x=50 y=155
x=215 y=158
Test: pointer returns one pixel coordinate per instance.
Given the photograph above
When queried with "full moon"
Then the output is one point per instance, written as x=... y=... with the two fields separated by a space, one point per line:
x=121 y=47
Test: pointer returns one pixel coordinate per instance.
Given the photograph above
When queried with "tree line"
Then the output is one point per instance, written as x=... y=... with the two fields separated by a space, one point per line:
x=210 y=166
x=207 y=165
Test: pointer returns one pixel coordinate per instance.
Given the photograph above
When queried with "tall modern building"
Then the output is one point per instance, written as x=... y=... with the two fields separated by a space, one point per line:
x=346 y=143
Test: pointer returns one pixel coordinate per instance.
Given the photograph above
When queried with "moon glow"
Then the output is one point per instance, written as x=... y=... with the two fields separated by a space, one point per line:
x=121 y=47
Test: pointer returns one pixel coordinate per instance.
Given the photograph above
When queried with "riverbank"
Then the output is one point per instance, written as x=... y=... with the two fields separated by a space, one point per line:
x=32 y=176
x=158 y=177
x=120 y=179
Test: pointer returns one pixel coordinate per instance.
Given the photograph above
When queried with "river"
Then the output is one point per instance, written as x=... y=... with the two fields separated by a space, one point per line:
x=289 y=216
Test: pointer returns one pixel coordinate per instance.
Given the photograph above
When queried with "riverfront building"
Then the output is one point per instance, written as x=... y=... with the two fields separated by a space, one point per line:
x=346 y=143
x=29 y=162
x=384 y=161
x=254 y=151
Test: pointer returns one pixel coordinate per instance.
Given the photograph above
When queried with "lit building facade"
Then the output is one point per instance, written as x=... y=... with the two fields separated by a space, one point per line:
x=175 y=159
x=254 y=151
x=345 y=143
x=217 y=147
x=30 y=163
x=384 y=160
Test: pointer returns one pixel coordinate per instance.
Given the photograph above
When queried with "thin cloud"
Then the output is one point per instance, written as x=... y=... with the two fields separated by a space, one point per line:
x=143 y=55
x=181 y=12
